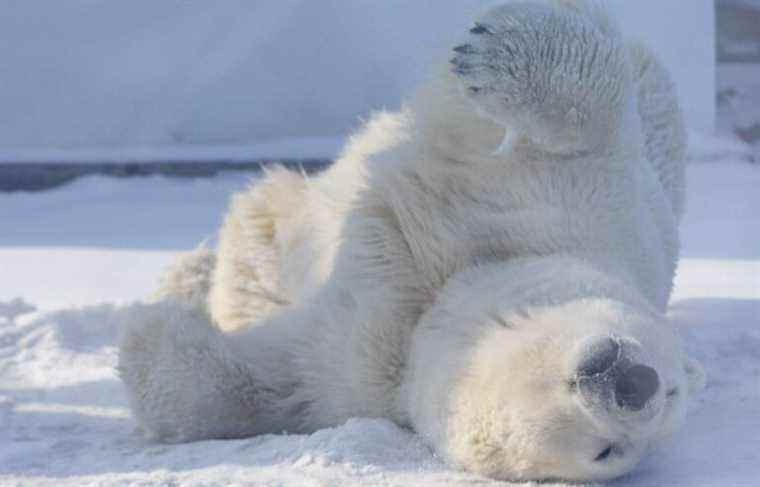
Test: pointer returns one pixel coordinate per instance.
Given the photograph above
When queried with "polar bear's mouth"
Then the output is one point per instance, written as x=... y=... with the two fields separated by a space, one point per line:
x=614 y=450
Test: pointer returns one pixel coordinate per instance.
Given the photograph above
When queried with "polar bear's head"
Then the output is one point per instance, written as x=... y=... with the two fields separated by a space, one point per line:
x=573 y=391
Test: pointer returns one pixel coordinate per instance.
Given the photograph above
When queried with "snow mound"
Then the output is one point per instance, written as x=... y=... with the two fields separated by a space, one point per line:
x=11 y=310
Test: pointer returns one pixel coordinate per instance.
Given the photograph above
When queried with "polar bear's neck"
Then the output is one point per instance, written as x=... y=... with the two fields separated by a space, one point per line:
x=544 y=281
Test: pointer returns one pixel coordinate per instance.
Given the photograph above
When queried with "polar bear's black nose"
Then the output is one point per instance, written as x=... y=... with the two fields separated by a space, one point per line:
x=635 y=386
x=599 y=358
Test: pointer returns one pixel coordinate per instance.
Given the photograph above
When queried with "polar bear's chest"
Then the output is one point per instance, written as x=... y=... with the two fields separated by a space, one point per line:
x=594 y=217
x=447 y=234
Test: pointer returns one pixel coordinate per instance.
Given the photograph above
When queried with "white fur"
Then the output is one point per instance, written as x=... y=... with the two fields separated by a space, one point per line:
x=428 y=278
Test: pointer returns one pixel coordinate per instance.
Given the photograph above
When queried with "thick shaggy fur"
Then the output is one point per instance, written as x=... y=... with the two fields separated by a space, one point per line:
x=450 y=269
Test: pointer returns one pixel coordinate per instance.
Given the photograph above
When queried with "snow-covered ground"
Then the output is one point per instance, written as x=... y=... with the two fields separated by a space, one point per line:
x=82 y=253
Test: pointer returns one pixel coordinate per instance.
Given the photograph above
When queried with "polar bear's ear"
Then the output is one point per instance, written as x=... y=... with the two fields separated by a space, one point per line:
x=695 y=375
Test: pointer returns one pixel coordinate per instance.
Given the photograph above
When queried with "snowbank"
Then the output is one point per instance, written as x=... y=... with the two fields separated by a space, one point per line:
x=150 y=80
x=739 y=101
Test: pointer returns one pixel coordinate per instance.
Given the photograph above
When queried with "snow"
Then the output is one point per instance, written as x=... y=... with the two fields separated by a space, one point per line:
x=146 y=80
x=73 y=259
x=739 y=101
x=91 y=212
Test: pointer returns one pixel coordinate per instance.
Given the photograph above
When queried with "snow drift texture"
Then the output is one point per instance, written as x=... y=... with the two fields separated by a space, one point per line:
x=125 y=76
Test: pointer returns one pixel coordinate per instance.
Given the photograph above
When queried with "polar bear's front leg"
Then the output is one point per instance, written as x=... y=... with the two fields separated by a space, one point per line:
x=247 y=285
x=186 y=380
x=662 y=124
x=557 y=79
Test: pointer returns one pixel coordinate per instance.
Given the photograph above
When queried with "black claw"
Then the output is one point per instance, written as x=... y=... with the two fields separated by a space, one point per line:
x=480 y=29
x=464 y=49
x=459 y=63
x=463 y=69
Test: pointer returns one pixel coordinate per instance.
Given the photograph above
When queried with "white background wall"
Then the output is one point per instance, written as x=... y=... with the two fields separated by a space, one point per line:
x=158 y=75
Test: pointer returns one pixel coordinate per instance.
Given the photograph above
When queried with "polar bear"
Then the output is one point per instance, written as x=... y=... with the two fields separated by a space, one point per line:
x=490 y=266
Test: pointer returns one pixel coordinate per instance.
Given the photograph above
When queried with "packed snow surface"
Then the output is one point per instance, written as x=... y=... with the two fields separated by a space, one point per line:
x=71 y=261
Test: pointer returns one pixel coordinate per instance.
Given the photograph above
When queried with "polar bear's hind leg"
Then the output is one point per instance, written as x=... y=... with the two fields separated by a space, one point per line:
x=181 y=382
x=187 y=380
x=247 y=279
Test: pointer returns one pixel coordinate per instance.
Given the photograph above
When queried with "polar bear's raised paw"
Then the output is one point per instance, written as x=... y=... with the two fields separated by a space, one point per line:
x=556 y=78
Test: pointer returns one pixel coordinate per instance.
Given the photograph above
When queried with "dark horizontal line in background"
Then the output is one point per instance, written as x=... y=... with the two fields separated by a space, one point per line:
x=42 y=176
